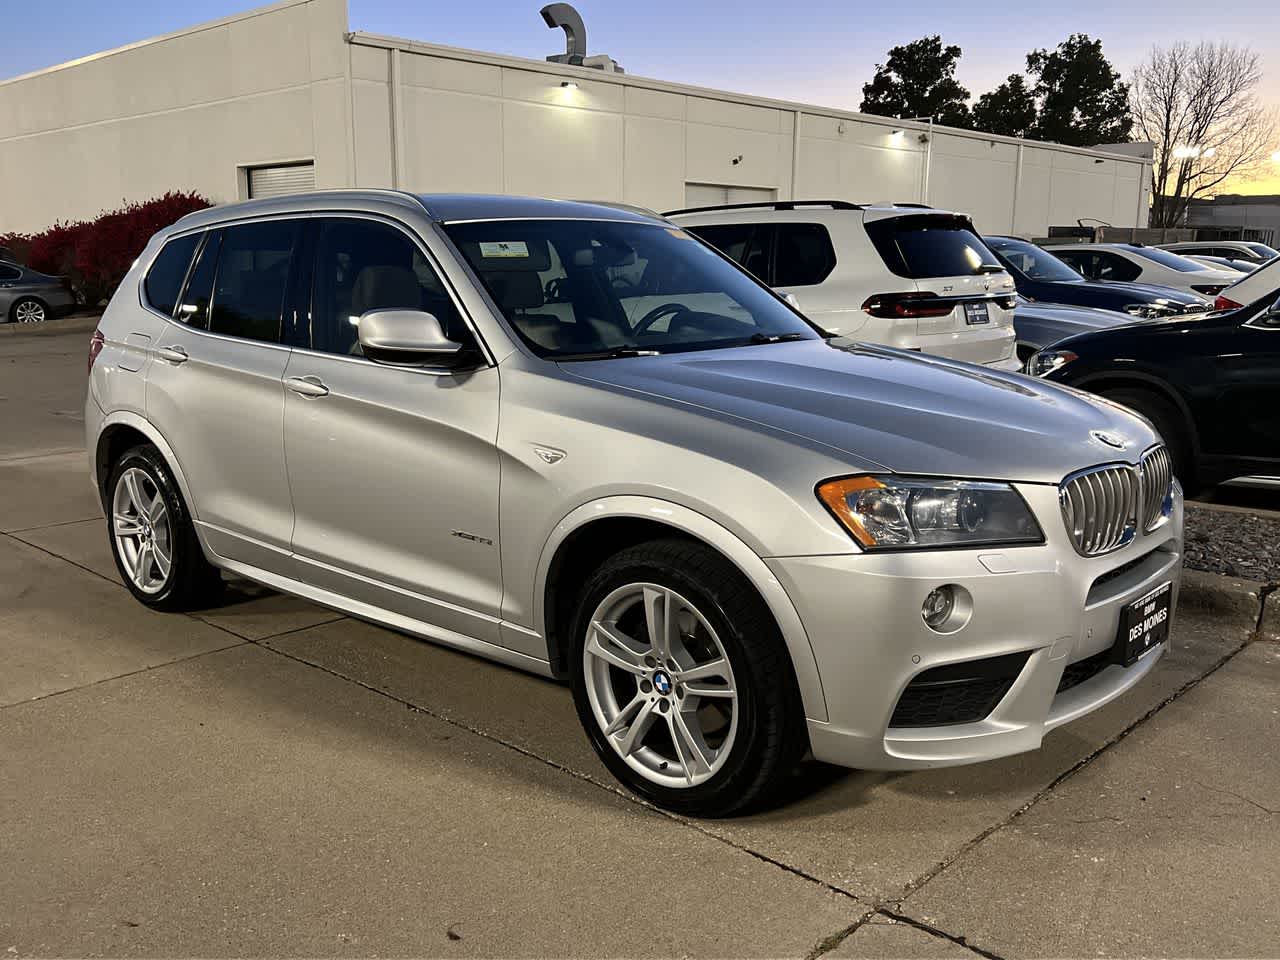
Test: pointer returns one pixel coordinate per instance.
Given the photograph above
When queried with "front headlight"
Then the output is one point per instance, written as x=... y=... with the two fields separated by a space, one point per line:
x=1047 y=361
x=892 y=513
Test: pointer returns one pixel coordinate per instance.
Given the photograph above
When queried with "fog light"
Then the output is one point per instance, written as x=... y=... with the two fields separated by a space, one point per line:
x=938 y=606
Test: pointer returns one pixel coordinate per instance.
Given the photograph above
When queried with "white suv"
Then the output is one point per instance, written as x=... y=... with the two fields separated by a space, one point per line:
x=900 y=274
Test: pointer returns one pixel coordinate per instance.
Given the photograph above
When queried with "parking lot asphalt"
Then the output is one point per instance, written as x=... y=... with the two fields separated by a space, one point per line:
x=272 y=778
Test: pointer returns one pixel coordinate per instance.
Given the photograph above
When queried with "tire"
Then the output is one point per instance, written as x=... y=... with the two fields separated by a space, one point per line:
x=155 y=547
x=745 y=728
x=29 y=310
x=1169 y=423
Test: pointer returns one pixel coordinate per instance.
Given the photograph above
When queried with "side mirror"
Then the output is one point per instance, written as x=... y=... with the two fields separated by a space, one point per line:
x=405 y=338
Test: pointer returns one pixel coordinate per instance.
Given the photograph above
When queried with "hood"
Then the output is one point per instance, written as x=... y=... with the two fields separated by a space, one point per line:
x=1080 y=318
x=912 y=413
x=1107 y=291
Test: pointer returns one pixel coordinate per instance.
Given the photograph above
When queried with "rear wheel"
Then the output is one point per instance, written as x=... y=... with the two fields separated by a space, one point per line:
x=152 y=538
x=683 y=682
x=29 y=310
x=1169 y=423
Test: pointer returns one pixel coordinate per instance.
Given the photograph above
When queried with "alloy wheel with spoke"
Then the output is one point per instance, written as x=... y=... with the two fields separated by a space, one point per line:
x=660 y=685
x=29 y=311
x=142 y=531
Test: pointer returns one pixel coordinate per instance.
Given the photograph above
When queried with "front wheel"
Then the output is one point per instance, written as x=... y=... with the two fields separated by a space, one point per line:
x=682 y=680
x=1169 y=423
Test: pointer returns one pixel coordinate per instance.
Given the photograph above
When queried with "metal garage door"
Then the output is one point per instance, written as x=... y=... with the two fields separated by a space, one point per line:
x=714 y=194
x=280 y=181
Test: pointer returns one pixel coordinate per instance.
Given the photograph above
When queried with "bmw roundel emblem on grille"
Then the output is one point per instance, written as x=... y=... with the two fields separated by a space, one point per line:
x=1108 y=439
x=662 y=683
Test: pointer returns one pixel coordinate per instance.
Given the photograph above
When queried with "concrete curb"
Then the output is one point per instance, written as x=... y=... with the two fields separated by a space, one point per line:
x=1239 y=601
x=1270 y=625
x=80 y=323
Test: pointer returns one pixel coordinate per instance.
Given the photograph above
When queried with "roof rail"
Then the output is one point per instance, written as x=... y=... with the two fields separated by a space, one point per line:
x=771 y=205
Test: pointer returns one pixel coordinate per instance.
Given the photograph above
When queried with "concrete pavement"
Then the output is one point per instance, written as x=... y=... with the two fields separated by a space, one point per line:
x=270 y=777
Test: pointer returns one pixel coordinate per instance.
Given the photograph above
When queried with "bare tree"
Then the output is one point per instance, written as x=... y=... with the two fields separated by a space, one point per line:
x=1198 y=104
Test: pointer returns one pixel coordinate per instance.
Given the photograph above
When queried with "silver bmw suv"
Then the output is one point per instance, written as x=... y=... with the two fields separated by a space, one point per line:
x=575 y=439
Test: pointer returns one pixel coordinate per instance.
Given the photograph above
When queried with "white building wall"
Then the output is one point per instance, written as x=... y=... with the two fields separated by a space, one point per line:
x=182 y=112
x=286 y=83
x=471 y=121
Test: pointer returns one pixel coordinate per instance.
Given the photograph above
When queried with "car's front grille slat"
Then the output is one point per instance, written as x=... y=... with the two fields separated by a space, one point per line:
x=1099 y=507
x=1157 y=476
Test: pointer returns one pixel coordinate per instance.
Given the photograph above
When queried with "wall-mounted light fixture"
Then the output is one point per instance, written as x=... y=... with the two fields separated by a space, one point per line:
x=569 y=84
x=736 y=160
x=1098 y=160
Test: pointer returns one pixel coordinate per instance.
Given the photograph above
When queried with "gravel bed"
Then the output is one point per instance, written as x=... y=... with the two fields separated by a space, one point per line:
x=1233 y=543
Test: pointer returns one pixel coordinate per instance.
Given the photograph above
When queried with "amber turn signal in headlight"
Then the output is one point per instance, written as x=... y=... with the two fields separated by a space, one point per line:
x=897 y=513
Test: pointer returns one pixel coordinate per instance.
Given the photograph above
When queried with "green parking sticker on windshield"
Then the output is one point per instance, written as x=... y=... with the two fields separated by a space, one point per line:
x=503 y=248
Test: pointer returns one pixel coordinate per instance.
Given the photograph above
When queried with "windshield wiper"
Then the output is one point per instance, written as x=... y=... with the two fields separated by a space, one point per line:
x=614 y=354
x=777 y=337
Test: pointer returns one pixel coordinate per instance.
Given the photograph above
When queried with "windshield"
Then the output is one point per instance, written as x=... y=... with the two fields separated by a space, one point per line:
x=1031 y=260
x=1262 y=250
x=577 y=289
x=1170 y=260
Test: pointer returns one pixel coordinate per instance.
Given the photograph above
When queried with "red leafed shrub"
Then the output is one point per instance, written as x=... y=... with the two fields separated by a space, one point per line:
x=94 y=255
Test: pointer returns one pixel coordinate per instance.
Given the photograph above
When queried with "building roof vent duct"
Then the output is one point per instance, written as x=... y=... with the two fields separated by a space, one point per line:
x=564 y=16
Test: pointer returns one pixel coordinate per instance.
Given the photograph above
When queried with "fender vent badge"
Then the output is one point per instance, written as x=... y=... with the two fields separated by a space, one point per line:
x=549 y=454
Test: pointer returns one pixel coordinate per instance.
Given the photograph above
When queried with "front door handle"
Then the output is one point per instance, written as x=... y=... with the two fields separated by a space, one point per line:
x=307 y=386
x=172 y=354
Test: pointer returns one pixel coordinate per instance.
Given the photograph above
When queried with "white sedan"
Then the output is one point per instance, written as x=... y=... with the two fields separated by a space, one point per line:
x=1136 y=263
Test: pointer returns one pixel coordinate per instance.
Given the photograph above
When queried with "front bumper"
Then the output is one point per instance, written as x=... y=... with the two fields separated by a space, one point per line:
x=862 y=615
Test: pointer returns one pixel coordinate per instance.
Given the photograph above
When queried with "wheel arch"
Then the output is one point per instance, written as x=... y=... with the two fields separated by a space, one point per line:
x=122 y=430
x=598 y=529
x=1135 y=379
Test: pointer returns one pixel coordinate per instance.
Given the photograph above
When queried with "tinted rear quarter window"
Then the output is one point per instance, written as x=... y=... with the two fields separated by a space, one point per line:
x=163 y=281
x=803 y=254
x=252 y=275
x=929 y=245
x=9 y=274
x=744 y=243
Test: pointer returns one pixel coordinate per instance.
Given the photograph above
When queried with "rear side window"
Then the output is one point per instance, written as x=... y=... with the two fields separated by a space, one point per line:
x=803 y=254
x=163 y=281
x=926 y=246
x=9 y=273
x=251 y=278
x=746 y=244
x=1112 y=266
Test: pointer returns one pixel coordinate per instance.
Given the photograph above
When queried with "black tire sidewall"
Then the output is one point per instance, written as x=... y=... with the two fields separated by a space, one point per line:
x=181 y=535
x=1169 y=423
x=724 y=792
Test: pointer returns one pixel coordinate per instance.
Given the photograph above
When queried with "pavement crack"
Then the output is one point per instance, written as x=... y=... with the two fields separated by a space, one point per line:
x=121 y=676
x=1263 y=593
x=562 y=768
x=1238 y=796
x=829 y=943
x=915 y=885
x=50 y=526
x=936 y=932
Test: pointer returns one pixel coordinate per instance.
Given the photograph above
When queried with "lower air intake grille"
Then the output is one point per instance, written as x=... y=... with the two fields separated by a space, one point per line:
x=957 y=692
x=1086 y=669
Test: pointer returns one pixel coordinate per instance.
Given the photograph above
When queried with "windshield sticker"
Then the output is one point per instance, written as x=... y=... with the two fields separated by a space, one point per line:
x=504 y=248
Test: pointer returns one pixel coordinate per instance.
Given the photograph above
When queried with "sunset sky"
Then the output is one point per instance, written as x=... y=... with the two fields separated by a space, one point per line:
x=809 y=50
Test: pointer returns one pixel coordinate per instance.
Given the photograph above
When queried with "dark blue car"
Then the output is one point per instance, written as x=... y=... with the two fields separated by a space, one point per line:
x=1039 y=275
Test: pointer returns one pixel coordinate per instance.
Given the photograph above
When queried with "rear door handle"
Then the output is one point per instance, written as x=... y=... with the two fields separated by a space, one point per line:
x=172 y=354
x=307 y=386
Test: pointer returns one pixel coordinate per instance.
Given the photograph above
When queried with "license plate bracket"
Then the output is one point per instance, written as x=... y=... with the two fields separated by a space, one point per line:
x=1144 y=624
x=975 y=313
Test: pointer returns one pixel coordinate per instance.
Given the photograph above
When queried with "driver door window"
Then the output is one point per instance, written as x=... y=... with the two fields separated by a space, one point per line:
x=364 y=265
x=1111 y=266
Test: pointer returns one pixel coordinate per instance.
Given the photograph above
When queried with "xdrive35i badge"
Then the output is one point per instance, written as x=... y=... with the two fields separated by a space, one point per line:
x=1108 y=439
